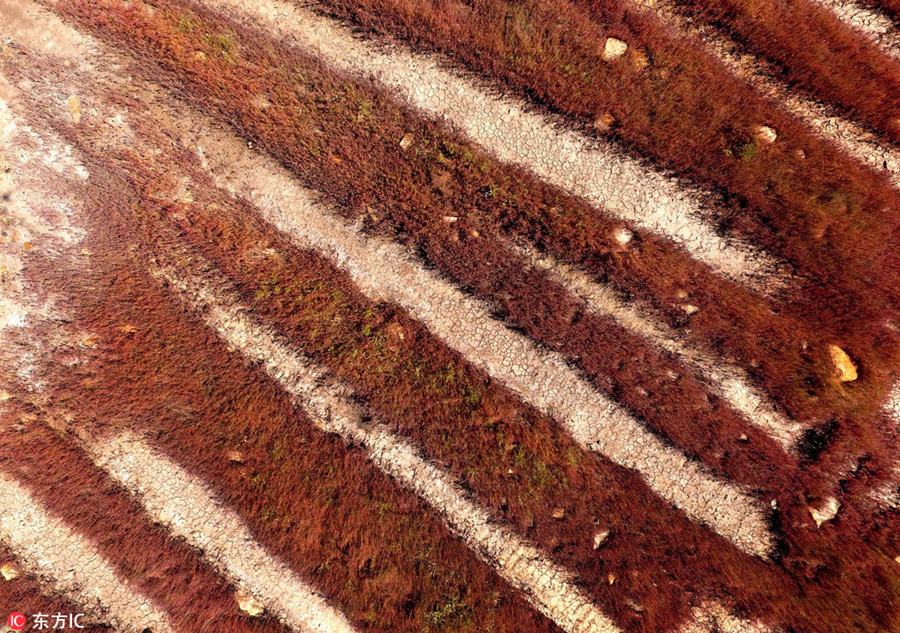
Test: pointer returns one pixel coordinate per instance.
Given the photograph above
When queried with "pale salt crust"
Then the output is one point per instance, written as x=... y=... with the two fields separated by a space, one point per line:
x=35 y=216
x=546 y=585
x=712 y=617
x=46 y=547
x=593 y=169
x=727 y=380
x=887 y=495
x=186 y=506
x=853 y=138
x=383 y=271
x=873 y=23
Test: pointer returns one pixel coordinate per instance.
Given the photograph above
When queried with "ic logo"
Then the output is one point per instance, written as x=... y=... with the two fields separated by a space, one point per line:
x=16 y=620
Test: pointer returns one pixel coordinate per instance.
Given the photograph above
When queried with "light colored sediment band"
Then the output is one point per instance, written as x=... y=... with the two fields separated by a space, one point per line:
x=51 y=550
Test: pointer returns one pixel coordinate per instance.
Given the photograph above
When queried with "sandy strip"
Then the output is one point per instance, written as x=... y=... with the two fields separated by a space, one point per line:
x=853 y=138
x=714 y=618
x=729 y=381
x=186 y=506
x=544 y=583
x=873 y=23
x=384 y=271
x=49 y=549
x=506 y=127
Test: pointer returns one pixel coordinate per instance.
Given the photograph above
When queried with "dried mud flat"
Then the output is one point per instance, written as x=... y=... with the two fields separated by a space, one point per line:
x=313 y=320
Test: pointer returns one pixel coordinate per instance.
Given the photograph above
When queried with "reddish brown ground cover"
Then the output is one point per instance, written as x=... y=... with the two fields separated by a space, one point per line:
x=816 y=50
x=457 y=415
x=800 y=197
x=162 y=569
x=375 y=550
x=321 y=146
x=460 y=418
x=28 y=595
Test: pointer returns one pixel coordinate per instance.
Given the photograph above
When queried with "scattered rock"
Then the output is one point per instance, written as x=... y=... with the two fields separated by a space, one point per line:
x=622 y=236
x=611 y=578
x=681 y=294
x=600 y=538
x=27 y=246
x=450 y=219
x=86 y=252
x=406 y=141
x=690 y=308
x=249 y=605
x=799 y=154
x=774 y=504
x=614 y=48
x=236 y=457
x=200 y=56
x=843 y=365
x=765 y=134
x=604 y=122
x=634 y=606
x=897 y=559
x=75 y=109
x=9 y=571
x=826 y=511
x=558 y=513
x=743 y=437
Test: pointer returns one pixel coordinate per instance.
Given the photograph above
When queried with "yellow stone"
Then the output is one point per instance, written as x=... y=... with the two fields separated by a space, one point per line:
x=9 y=571
x=75 y=109
x=249 y=605
x=614 y=48
x=844 y=367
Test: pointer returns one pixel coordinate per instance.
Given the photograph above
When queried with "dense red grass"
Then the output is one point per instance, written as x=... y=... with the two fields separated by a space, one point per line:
x=466 y=422
x=821 y=210
x=816 y=50
x=28 y=595
x=400 y=187
x=460 y=418
x=166 y=571
x=375 y=550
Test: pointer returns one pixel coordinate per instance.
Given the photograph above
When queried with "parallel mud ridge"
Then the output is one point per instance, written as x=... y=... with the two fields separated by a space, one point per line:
x=406 y=316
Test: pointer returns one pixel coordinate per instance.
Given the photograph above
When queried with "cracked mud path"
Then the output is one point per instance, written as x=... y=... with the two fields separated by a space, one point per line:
x=51 y=550
x=727 y=379
x=871 y=22
x=176 y=499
